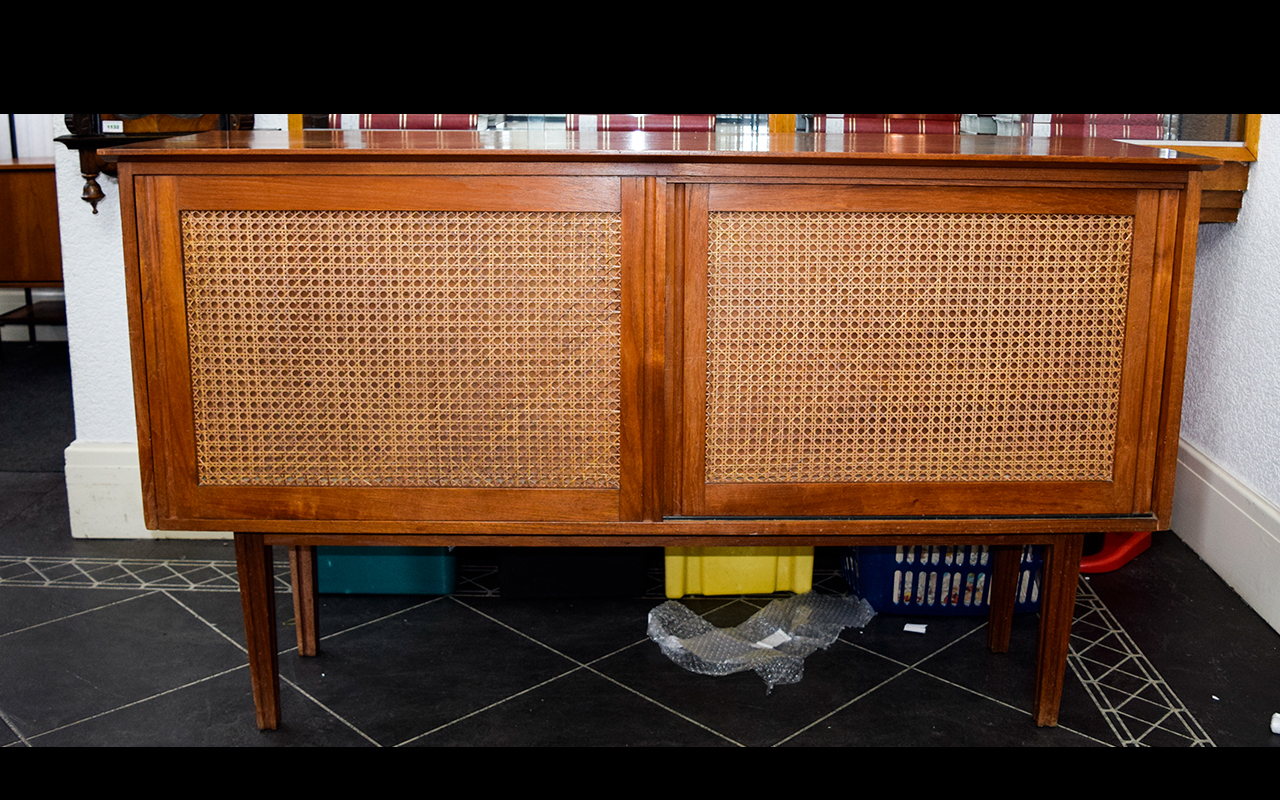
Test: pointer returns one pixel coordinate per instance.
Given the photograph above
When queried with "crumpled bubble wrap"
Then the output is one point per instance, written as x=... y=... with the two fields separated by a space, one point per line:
x=773 y=642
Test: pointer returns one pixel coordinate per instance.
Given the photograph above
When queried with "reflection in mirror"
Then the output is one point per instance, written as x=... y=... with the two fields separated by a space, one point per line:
x=1207 y=127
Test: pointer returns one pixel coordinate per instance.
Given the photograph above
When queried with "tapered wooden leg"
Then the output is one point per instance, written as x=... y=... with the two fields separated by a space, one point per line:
x=303 y=571
x=1004 y=591
x=257 y=597
x=1057 y=610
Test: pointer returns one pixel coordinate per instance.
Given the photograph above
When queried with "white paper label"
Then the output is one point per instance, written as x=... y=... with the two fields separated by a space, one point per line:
x=773 y=640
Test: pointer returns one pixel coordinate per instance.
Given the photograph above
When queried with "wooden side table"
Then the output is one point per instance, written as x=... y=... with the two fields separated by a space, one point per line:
x=30 y=247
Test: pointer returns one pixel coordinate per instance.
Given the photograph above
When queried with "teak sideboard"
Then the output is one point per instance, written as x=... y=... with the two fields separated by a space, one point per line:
x=497 y=338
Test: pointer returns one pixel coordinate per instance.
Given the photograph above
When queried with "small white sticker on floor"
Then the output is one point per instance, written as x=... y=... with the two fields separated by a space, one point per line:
x=911 y=627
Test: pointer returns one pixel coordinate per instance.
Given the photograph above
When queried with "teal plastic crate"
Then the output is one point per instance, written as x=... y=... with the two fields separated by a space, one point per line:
x=385 y=570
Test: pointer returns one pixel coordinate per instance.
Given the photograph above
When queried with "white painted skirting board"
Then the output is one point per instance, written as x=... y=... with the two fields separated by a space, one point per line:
x=1232 y=528
x=104 y=492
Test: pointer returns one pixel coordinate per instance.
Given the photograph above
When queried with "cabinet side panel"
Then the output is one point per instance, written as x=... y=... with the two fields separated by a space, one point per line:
x=130 y=216
x=1184 y=263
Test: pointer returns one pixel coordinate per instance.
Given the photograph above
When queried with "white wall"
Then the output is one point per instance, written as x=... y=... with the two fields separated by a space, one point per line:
x=103 y=483
x=1228 y=485
x=97 y=322
x=1232 y=406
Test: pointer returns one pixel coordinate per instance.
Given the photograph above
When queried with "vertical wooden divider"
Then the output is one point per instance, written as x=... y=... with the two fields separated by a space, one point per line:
x=655 y=237
x=694 y=352
x=672 y=393
x=633 y=426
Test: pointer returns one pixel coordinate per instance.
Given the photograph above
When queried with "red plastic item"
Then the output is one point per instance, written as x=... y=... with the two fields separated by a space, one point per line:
x=1118 y=549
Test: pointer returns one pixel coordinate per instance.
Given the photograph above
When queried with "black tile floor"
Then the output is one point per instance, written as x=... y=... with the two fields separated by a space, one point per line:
x=124 y=643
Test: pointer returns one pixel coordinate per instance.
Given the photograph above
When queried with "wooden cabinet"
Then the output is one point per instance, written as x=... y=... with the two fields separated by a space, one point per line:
x=468 y=337
x=30 y=247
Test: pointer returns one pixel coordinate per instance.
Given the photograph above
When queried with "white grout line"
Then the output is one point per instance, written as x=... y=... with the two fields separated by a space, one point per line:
x=1099 y=618
x=594 y=671
x=682 y=716
x=1081 y=665
x=129 y=576
x=495 y=704
x=101 y=714
x=1012 y=707
x=215 y=628
x=366 y=623
x=5 y=718
x=331 y=712
x=283 y=679
x=906 y=668
x=145 y=593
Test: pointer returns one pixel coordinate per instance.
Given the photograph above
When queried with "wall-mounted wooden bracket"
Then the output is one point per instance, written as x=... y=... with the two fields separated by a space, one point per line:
x=87 y=137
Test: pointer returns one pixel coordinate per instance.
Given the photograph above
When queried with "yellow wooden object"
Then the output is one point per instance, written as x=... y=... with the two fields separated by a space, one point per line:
x=738 y=570
x=782 y=123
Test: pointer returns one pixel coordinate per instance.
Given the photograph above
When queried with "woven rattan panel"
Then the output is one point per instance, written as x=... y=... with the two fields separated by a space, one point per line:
x=879 y=347
x=458 y=349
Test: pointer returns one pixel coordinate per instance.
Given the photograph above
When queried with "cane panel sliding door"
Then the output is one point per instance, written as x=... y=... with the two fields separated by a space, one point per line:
x=391 y=347
x=919 y=351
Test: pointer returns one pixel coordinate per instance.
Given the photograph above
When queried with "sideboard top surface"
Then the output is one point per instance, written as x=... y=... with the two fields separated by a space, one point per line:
x=734 y=148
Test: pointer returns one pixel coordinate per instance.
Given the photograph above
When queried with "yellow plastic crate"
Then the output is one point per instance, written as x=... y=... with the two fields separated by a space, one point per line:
x=738 y=570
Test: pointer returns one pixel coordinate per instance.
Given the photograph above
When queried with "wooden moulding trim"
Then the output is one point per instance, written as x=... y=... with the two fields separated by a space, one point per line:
x=1231 y=176
x=164 y=315
x=401 y=193
x=1220 y=215
x=692 y=365
x=952 y=199
x=621 y=540
x=631 y=501
x=1136 y=369
x=748 y=531
x=151 y=195
x=137 y=344
x=899 y=175
x=927 y=499
x=654 y=366
x=1221 y=200
x=1184 y=265
x=673 y=343
x=1252 y=132
x=306 y=505
x=1166 y=224
x=647 y=147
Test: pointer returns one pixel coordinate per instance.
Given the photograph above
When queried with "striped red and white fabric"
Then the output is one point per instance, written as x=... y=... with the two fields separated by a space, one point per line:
x=895 y=123
x=646 y=122
x=419 y=122
x=1084 y=126
x=1108 y=126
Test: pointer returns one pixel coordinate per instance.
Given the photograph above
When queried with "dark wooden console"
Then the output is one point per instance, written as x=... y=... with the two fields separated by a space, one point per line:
x=458 y=337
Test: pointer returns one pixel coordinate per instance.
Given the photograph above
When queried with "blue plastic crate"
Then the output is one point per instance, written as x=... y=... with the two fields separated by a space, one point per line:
x=385 y=570
x=949 y=581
